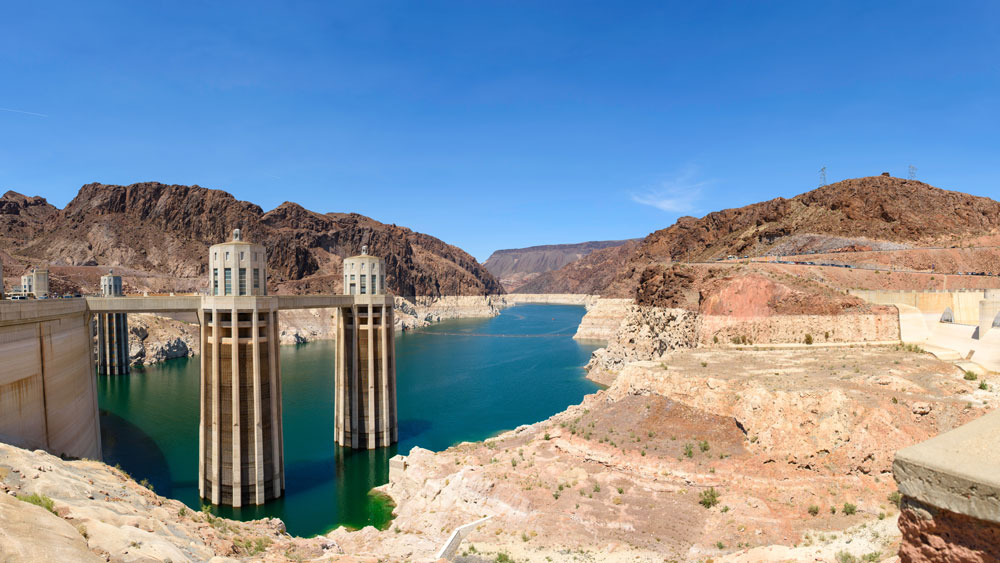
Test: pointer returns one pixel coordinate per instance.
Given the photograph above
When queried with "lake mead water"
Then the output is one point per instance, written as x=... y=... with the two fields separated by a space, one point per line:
x=459 y=380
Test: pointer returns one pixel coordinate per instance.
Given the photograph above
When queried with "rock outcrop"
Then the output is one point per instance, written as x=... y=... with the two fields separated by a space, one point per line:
x=645 y=333
x=154 y=338
x=415 y=312
x=603 y=319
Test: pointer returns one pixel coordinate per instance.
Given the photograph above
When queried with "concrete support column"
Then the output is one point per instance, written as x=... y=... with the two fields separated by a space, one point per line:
x=384 y=432
x=355 y=383
x=371 y=412
x=216 y=405
x=391 y=375
x=243 y=463
x=277 y=479
x=205 y=366
x=258 y=424
x=235 y=380
x=365 y=341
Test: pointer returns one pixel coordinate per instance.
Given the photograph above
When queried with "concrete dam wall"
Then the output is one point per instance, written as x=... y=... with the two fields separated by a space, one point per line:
x=48 y=396
x=959 y=307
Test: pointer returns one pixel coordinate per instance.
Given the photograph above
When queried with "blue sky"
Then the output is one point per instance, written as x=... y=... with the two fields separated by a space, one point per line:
x=499 y=125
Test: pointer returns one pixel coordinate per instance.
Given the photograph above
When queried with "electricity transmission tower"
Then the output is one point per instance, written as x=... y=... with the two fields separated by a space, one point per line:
x=913 y=172
x=822 y=176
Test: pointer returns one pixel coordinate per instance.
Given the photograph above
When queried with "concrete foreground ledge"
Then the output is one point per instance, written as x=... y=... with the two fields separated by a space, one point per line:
x=957 y=471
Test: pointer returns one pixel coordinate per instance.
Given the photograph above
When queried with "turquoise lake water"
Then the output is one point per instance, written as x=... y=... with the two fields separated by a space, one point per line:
x=458 y=380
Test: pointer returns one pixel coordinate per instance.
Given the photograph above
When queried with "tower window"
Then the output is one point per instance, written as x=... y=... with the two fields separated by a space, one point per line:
x=241 y=256
x=215 y=281
x=256 y=278
x=227 y=256
x=243 y=281
x=228 y=274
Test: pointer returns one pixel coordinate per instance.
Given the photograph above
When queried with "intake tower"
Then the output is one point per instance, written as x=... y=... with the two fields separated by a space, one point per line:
x=366 y=362
x=241 y=457
x=112 y=332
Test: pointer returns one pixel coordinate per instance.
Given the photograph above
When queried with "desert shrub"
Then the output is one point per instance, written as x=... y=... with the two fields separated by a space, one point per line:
x=689 y=450
x=849 y=508
x=703 y=446
x=895 y=498
x=813 y=509
x=709 y=497
x=809 y=339
x=971 y=375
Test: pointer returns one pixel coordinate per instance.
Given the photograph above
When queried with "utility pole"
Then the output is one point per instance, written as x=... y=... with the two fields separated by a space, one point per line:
x=822 y=176
x=913 y=172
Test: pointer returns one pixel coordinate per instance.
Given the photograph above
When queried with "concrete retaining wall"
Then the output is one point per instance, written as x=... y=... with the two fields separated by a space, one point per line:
x=951 y=494
x=48 y=393
x=791 y=329
x=963 y=304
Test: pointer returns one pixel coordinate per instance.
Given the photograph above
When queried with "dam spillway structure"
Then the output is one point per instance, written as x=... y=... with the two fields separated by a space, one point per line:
x=112 y=332
x=365 y=382
x=240 y=459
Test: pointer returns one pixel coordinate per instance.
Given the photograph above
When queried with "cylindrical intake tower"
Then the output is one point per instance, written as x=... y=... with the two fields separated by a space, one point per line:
x=366 y=361
x=241 y=458
x=112 y=332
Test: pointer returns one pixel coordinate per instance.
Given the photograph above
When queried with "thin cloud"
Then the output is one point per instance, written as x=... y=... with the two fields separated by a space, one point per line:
x=24 y=112
x=677 y=195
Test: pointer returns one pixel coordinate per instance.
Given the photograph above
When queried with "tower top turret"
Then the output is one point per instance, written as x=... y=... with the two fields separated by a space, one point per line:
x=237 y=267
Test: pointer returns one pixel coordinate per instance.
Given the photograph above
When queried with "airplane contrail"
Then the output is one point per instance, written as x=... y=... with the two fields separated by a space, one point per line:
x=24 y=112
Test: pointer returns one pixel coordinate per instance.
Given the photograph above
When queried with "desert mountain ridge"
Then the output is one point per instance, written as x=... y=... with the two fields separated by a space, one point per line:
x=158 y=235
x=877 y=213
x=516 y=266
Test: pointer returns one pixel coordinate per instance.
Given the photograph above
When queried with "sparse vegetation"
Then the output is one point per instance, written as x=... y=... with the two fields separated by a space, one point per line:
x=983 y=386
x=849 y=508
x=39 y=500
x=970 y=375
x=813 y=509
x=251 y=546
x=689 y=450
x=709 y=497
x=895 y=497
x=809 y=339
x=703 y=446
